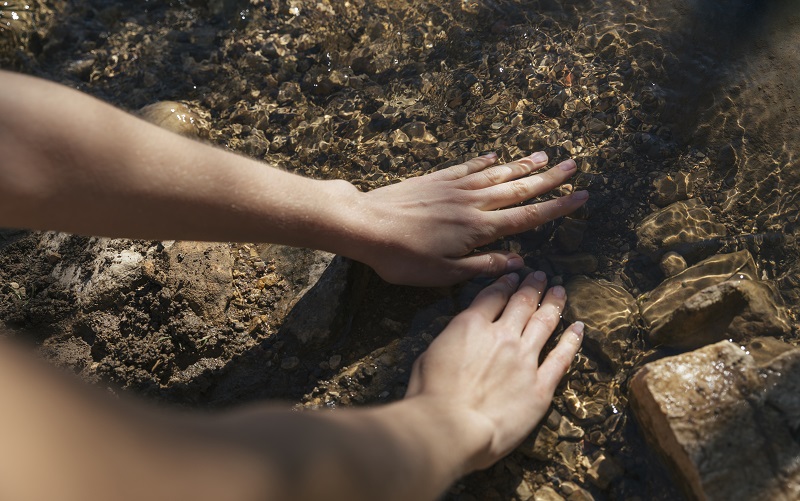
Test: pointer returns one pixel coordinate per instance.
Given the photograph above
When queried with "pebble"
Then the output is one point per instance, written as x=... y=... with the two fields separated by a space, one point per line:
x=173 y=116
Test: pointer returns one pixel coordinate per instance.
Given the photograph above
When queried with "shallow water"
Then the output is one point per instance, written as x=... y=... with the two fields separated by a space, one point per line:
x=375 y=92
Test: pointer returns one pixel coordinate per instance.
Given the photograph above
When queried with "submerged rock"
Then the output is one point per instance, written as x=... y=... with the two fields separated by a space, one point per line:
x=671 y=264
x=657 y=304
x=173 y=116
x=672 y=188
x=609 y=322
x=735 y=309
x=685 y=227
x=725 y=426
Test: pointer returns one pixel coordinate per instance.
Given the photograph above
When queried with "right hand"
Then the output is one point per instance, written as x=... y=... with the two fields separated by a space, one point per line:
x=483 y=369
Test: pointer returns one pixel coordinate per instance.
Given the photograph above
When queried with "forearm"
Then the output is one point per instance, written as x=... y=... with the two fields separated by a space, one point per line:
x=93 y=448
x=73 y=163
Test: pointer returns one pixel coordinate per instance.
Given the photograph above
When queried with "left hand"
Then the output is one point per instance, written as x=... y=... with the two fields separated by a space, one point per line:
x=423 y=230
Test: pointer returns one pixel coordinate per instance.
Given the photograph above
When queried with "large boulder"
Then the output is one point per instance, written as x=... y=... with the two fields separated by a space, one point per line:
x=725 y=424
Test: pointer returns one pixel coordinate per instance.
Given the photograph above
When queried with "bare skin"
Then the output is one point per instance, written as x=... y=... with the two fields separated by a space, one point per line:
x=72 y=163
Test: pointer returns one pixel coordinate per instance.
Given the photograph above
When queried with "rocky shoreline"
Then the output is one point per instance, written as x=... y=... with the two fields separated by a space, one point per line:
x=665 y=258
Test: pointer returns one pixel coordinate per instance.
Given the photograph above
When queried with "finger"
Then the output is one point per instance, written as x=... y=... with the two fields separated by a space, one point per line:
x=476 y=164
x=489 y=264
x=524 y=302
x=490 y=302
x=527 y=217
x=506 y=172
x=520 y=190
x=540 y=325
x=558 y=361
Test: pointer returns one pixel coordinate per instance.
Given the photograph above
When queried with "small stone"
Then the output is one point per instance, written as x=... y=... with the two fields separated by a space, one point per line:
x=524 y=492
x=335 y=361
x=14 y=285
x=547 y=493
x=569 y=234
x=290 y=363
x=569 y=431
x=671 y=188
x=540 y=444
x=603 y=471
x=173 y=116
x=671 y=264
x=575 y=492
x=238 y=326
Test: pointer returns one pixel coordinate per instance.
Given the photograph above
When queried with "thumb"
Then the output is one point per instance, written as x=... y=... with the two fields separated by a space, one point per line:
x=488 y=264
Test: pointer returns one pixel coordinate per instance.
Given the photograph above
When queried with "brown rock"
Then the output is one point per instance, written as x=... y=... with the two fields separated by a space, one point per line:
x=736 y=309
x=686 y=227
x=671 y=188
x=667 y=297
x=671 y=264
x=540 y=444
x=724 y=425
x=173 y=116
x=569 y=234
x=609 y=313
x=604 y=470
x=201 y=273
x=574 y=264
x=547 y=493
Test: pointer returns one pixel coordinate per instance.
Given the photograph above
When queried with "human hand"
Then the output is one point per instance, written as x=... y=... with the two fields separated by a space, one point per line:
x=423 y=230
x=483 y=369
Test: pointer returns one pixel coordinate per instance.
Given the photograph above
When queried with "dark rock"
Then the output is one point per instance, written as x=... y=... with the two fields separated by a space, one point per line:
x=609 y=313
x=687 y=228
x=672 y=188
x=657 y=304
x=574 y=264
x=671 y=264
x=736 y=309
x=569 y=234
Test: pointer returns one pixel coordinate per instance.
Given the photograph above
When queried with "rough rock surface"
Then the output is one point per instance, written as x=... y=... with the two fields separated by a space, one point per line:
x=201 y=273
x=685 y=227
x=735 y=309
x=725 y=425
x=671 y=294
x=609 y=322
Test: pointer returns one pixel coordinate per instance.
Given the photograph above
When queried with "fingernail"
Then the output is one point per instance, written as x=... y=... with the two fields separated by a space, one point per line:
x=577 y=329
x=513 y=279
x=539 y=157
x=568 y=165
x=540 y=276
x=514 y=263
x=559 y=292
x=489 y=155
x=580 y=195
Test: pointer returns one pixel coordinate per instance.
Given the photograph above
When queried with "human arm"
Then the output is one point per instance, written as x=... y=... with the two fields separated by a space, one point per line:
x=73 y=163
x=473 y=396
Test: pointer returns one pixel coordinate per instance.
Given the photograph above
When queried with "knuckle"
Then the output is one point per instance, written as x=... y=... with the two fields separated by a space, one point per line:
x=520 y=189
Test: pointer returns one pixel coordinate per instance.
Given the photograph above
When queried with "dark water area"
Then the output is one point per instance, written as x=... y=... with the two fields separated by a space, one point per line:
x=702 y=94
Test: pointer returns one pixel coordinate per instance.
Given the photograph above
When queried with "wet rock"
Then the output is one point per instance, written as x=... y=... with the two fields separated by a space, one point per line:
x=547 y=493
x=201 y=274
x=724 y=425
x=574 y=264
x=585 y=409
x=318 y=310
x=609 y=322
x=671 y=294
x=540 y=444
x=417 y=131
x=686 y=227
x=671 y=264
x=569 y=234
x=575 y=492
x=604 y=470
x=523 y=491
x=765 y=349
x=173 y=116
x=569 y=431
x=555 y=106
x=671 y=188
x=735 y=309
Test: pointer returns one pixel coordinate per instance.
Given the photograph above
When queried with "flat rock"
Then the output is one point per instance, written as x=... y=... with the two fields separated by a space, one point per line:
x=657 y=304
x=671 y=188
x=686 y=227
x=735 y=309
x=609 y=322
x=725 y=425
